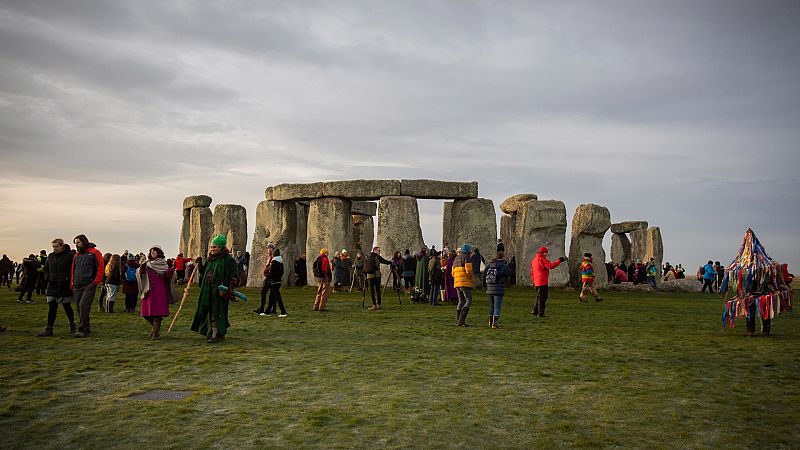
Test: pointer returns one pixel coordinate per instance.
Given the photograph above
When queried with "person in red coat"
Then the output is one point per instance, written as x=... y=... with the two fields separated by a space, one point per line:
x=540 y=275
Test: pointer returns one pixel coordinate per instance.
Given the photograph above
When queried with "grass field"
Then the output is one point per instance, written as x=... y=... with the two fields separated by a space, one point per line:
x=650 y=371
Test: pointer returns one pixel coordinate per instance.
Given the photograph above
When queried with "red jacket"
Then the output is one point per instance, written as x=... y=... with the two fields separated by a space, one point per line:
x=180 y=263
x=101 y=268
x=540 y=269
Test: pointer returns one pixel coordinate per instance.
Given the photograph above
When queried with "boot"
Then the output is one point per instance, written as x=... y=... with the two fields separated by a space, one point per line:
x=111 y=307
x=491 y=321
x=462 y=321
x=496 y=322
x=156 y=328
x=48 y=331
x=72 y=328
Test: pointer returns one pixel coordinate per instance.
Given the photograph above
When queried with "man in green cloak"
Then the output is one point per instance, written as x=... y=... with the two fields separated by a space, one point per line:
x=421 y=279
x=211 y=317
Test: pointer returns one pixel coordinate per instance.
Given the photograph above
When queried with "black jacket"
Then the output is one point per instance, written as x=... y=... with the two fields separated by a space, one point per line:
x=57 y=271
x=275 y=275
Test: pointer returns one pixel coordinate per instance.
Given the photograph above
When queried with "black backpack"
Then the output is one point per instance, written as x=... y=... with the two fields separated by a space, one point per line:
x=371 y=264
x=317 y=268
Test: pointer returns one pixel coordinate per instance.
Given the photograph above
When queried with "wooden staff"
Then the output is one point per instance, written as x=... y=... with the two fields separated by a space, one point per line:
x=183 y=299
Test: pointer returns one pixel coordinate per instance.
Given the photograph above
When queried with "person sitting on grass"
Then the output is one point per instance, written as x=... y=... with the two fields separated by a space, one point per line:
x=219 y=269
x=587 y=278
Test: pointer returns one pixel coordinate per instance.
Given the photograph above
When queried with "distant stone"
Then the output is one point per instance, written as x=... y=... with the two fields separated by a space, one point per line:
x=508 y=229
x=474 y=222
x=589 y=225
x=627 y=227
x=398 y=226
x=591 y=219
x=630 y=287
x=361 y=189
x=363 y=234
x=638 y=243
x=329 y=226
x=447 y=216
x=365 y=208
x=681 y=285
x=201 y=226
x=620 y=248
x=541 y=223
x=276 y=222
x=294 y=191
x=196 y=201
x=512 y=204
x=435 y=189
x=231 y=221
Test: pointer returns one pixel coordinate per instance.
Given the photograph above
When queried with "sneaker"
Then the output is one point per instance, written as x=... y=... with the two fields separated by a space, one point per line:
x=373 y=308
x=263 y=314
x=283 y=315
x=19 y=300
x=47 y=332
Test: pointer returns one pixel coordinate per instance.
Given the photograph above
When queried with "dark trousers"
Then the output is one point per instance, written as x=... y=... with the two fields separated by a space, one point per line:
x=181 y=274
x=375 y=285
x=409 y=282
x=130 y=302
x=275 y=299
x=708 y=283
x=5 y=278
x=264 y=293
x=53 y=310
x=84 y=296
x=541 y=300
x=27 y=288
x=751 y=320
x=41 y=284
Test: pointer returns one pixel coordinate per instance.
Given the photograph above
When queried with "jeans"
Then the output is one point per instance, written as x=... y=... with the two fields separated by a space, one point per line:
x=84 y=296
x=495 y=303
x=652 y=281
x=375 y=285
x=434 y=297
x=464 y=298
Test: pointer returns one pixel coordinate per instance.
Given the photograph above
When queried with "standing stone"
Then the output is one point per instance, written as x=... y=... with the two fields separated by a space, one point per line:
x=201 y=227
x=193 y=201
x=620 y=248
x=363 y=234
x=447 y=216
x=329 y=226
x=231 y=222
x=398 y=226
x=654 y=247
x=589 y=226
x=508 y=228
x=474 y=222
x=638 y=242
x=276 y=222
x=541 y=224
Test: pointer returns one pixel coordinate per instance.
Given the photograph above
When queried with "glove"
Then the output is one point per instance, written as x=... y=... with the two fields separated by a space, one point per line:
x=562 y=258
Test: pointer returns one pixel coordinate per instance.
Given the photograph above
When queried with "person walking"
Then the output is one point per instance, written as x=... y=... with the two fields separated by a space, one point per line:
x=322 y=274
x=436 y=278
x=709 y=274
x=219 y=269
x=41 y=283
x=587 y=278
x=87 y=274
x=540 y=275
x=265 y=285
x=652 y=273
x=463 y=282
x=6 y=269
x=397 y=269
x=130 y=285
x=57 y=272
x=372 y=270
x=155 y=280
x=496 y=274
x=113 y=281
x=30 y=276
x=275 y=279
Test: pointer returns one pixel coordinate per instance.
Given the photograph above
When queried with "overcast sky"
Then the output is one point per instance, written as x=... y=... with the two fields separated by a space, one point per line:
x=684 y=114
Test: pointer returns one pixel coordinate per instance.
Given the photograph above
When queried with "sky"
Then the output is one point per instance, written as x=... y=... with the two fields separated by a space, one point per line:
x=684 y=113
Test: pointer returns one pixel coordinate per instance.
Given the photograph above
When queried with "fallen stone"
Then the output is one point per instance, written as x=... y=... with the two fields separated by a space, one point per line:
x=196 y=201
x=294 y=191
x=474 y=222
x=682 y=285
x=627 y=227
x=361 y=189
x=630 y=287
x=329 y=226
x=512 y=204
x=231 y=221
x=435 y=189
x=541 y=223
x=365 y=208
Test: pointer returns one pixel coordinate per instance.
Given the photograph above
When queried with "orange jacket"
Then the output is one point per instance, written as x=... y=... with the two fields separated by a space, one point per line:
x=462 y=272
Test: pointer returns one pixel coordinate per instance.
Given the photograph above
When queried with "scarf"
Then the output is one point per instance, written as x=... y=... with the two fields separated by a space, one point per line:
x=224 y=251
x=159 y=266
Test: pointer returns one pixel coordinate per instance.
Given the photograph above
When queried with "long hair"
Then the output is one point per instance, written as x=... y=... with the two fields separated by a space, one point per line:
x=113 y=264
x=159 y=253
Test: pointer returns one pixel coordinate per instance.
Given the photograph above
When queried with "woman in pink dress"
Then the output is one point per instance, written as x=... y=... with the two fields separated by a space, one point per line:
x=155 y=285
x=452 y=294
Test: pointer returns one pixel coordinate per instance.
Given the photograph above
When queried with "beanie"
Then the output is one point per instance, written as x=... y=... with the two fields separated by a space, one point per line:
x=220 y=240
x=543 y=250
x=466 y=248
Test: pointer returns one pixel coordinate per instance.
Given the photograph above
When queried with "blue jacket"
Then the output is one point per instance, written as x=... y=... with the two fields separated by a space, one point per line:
x=710 y=273
x=503 y=272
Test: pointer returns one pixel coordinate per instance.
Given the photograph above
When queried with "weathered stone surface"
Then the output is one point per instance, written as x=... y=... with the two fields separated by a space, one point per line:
x=653 y=246
x=201 y=226
x=447 y=216
x=630 y=287
x=231 y=221
x=638 y=242
x=620 y=248
x=276 y=222
x=435 y=189
x=474 y=222
x=589 y=225
x=627 y=227
x=294 y=191
x=361 y=189
x=329 y=226
x=363 y=234
x=398 y=226
x=508 y=230
x=682 y=285
x=196 y=201
x=512 y=204
x=302 y=228
x=185 y=231
x=365 y=208
x=541 y=223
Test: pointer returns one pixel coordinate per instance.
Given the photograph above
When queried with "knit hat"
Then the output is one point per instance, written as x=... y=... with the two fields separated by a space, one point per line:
x=323 y=251
x=131 y=257
x=587 y=255
x=466 y=248
x=543 y=250
x=220 y=240
x=270 y=245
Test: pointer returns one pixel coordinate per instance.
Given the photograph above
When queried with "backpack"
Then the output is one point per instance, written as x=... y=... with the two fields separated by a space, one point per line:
x=491 y=274
x=130 y=273
x=371 y=265
x=317 y=268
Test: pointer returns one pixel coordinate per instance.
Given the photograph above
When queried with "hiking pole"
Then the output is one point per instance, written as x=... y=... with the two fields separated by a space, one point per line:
x=387 y=282
x=363 y=296
x=183 y=299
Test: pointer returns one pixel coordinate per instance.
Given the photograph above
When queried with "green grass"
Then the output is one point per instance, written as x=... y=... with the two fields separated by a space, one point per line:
x=634 y=371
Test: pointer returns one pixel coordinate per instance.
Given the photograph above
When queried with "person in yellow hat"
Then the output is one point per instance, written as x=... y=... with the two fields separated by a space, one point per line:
x=322 y=273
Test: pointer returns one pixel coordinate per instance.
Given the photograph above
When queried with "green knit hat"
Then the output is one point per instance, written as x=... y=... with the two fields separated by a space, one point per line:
x=220 y=240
